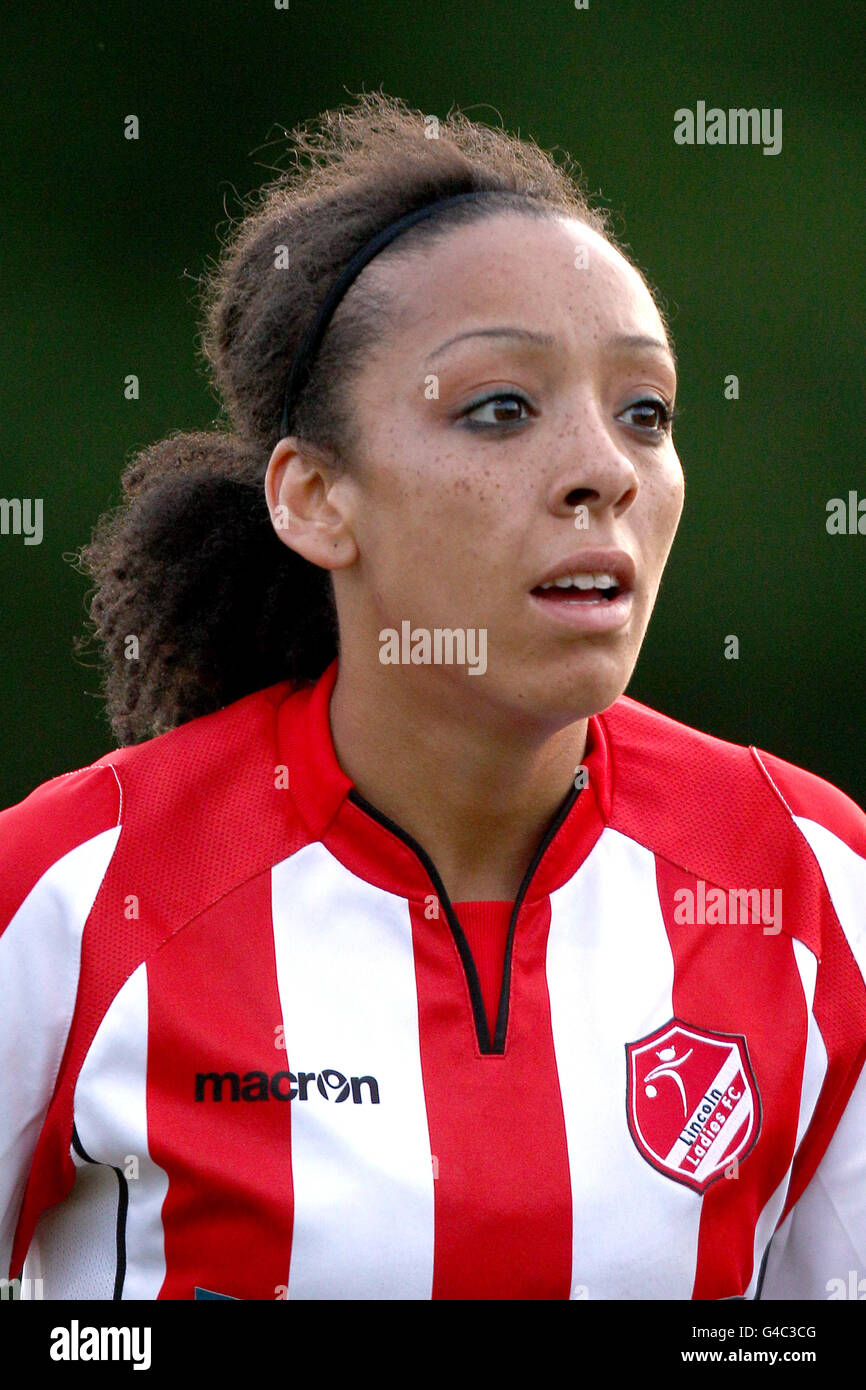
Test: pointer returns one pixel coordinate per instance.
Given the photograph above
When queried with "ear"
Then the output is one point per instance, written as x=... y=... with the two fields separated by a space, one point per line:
x=302 y=500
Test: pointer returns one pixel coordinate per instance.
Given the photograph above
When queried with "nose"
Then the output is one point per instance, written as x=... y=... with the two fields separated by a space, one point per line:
x=596 y=471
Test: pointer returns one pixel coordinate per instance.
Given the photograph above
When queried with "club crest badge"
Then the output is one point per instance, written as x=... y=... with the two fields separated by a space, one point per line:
x=693 y=1104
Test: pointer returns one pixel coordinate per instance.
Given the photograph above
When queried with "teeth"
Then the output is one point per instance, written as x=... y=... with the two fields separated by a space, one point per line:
x=582 y=581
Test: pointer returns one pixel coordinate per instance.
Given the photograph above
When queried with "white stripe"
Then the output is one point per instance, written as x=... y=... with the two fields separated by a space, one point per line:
x=111 y=1121
x=845 y=876
x=815 y=1244
x=610 y=978
x=821 y=1246
x=40 y=958
x=815 y=1067
x=74 y=1246
x=362 y=1173
x=820 y=1249
x=814 y=1072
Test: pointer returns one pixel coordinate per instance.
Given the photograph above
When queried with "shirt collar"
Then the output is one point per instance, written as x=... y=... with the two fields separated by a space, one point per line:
x=320 y=789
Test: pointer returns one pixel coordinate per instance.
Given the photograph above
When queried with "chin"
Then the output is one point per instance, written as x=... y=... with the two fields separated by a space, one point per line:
x=583 y=687
x=555 y=698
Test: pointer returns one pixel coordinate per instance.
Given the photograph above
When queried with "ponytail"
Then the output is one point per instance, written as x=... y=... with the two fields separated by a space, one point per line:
x=197 y=600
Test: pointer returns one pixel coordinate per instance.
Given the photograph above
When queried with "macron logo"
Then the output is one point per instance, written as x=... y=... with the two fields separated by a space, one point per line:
x=285 y=1085
x=75 y=1343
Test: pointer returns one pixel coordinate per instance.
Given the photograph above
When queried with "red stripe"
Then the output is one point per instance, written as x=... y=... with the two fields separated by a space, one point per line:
x=209 y=780
x=735 y=979
x=840 y=1012
x=214 y=1007
x=666 y=780
x=840 y=993
x=503 y=1226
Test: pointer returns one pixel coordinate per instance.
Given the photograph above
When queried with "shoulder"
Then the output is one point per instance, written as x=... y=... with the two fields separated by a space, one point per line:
x=808 y=797
x=735 y=815
x=181 y=804
x=650 y=750
x=57 y=819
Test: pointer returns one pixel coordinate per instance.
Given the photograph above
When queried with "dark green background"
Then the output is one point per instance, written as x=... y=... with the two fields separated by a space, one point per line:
x=758 y=258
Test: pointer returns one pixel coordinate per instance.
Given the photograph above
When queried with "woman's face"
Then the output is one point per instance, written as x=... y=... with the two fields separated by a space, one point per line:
x=510 y=422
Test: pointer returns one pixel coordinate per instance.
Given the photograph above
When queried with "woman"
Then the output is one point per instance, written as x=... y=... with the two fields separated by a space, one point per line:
x=411 y=959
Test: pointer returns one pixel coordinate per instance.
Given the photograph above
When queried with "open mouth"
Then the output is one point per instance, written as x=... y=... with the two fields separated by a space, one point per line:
x=590 y=592
x=585 y=588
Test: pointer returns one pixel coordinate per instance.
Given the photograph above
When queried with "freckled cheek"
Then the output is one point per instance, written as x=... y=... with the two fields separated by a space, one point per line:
x=421 y=525
x=429 y=519
x=662 y=511
x=433 y=496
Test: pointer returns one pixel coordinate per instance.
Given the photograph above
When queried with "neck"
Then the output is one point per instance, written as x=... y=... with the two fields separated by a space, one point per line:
x=476 y=789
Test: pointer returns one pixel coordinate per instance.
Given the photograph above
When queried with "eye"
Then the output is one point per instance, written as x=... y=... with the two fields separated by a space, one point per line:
x=503 y=408
x=651 y=413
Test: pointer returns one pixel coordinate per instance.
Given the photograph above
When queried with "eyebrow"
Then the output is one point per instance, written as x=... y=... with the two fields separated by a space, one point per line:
x=525 y=334
x=643 y=340
x=623 y=340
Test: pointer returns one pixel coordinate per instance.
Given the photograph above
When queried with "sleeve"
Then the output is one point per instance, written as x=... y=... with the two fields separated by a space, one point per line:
x=818 y=1250
x=55 y=847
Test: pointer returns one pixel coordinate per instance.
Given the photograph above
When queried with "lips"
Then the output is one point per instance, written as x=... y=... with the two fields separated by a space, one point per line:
x=590 y=561
x=591 y=613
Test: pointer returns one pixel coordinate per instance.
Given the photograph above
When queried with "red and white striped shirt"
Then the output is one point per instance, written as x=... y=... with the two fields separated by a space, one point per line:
x=246 y=1051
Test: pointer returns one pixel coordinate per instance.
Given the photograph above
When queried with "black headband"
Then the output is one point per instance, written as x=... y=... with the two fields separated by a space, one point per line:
x=312 y=339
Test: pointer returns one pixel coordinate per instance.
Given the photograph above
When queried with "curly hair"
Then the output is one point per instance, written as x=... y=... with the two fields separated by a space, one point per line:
x=189 y=564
